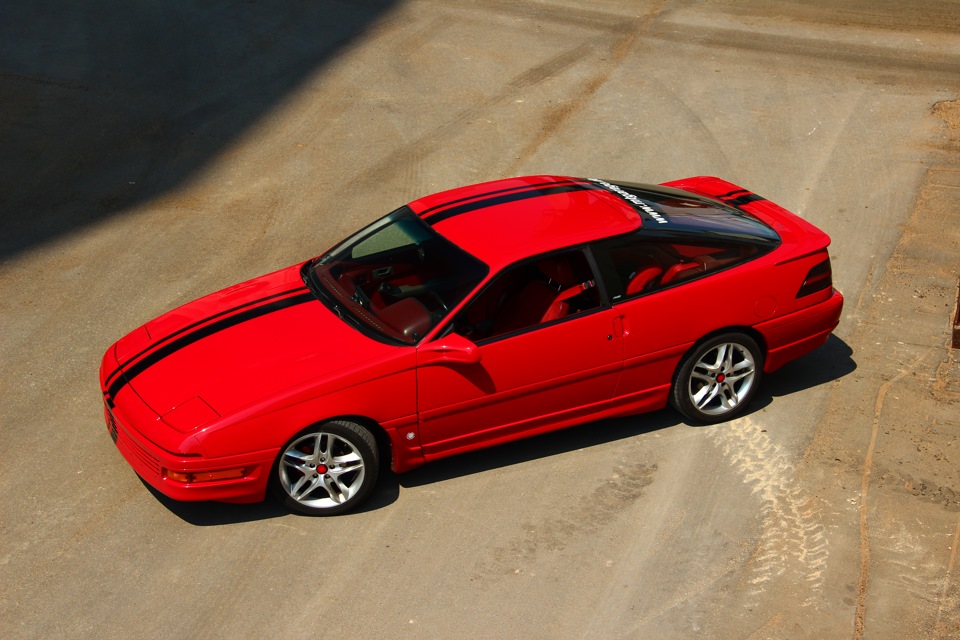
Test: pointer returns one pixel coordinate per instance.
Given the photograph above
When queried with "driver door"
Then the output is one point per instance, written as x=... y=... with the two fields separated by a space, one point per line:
x=548 y=350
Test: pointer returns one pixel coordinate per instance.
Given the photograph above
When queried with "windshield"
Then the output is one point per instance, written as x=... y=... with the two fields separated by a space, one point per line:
x=396 y=279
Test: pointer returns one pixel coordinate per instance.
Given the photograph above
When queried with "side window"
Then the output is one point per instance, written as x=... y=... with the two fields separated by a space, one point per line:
x=530 y=294
x=633 y=266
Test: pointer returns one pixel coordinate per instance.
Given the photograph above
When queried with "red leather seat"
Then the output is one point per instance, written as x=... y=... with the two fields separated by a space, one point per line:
x=540 y=300
x=524 y=308
x=560 y=274
x=642 y=278
x=681 y=271
x=409 y=317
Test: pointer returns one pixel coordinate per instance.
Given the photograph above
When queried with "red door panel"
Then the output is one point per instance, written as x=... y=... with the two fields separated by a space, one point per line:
x=660 y=327
x=518 y=381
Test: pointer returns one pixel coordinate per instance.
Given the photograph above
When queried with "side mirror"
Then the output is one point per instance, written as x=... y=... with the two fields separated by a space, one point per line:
x=452 y=348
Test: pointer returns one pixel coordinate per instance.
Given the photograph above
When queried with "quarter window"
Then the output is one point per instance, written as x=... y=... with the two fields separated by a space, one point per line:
x=633 y=266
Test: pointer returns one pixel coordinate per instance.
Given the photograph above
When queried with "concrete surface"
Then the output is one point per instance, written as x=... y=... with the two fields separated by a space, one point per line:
x=154 y=152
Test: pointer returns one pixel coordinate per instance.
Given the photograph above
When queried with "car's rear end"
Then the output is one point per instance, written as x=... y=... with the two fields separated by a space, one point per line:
x=808 y=309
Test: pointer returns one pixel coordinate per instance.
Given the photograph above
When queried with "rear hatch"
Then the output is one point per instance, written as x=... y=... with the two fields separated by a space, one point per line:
x=804 y=259
x=792 y=229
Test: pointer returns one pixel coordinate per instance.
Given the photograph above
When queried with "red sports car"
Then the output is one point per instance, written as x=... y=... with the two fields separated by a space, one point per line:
x=466 y=319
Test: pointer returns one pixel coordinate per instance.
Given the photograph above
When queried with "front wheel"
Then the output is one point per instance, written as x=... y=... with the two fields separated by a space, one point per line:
x=716 y=381
x=326 y=469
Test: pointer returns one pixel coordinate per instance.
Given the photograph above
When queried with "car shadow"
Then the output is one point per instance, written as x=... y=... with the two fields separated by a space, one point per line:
x=545 y=445
x=829 y=363
x=832 y=361
x=211 y=514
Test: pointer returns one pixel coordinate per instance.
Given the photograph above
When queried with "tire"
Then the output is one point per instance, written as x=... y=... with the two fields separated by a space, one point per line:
x=326 y=469
x=717 y=380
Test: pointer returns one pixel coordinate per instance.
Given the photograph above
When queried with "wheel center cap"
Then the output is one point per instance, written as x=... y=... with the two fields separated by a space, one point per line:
x=321 y=468
x=721 y=378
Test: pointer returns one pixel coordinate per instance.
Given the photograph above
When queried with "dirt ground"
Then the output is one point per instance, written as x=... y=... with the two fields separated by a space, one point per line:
x=151 y=153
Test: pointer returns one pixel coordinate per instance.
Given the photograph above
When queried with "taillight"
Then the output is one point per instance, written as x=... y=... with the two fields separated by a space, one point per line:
x=820 y=277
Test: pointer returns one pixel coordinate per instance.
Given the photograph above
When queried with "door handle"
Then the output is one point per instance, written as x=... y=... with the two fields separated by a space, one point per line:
x=621 y=327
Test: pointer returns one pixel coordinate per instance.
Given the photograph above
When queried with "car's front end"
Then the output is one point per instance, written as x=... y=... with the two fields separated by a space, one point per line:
x=173 y=460
x=201 y=400
x=194 y=399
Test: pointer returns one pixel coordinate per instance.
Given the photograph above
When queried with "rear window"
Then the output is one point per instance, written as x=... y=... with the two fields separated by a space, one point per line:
x=668 y=211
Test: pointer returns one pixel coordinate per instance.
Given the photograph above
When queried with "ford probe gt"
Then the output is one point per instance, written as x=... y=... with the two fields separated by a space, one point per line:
x=466 y=319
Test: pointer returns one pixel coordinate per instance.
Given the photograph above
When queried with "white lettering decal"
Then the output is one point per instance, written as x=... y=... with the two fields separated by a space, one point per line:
x=629 y=197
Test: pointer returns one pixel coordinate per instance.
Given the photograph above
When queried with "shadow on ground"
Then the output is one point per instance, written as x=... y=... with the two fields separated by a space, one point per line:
x=109 y=103
x=826 y=364
x=832 y=361
x=211 y=514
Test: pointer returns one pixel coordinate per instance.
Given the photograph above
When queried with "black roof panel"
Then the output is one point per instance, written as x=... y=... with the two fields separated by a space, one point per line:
x=667 y=211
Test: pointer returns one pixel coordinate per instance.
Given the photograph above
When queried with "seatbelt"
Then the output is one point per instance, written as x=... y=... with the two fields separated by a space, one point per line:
x=558 y=308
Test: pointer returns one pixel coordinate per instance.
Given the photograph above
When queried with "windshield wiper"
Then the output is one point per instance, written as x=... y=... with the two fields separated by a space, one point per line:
x=330 y=301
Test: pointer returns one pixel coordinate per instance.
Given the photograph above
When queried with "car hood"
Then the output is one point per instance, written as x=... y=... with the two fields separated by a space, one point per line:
x=234 y=347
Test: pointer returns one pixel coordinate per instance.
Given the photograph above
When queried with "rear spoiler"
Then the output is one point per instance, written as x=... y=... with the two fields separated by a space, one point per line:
x=716 y=188
x=791 y=227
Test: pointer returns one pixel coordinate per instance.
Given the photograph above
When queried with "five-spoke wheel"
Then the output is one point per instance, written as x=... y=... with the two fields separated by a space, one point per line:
x=327 y=469
x=718 y=378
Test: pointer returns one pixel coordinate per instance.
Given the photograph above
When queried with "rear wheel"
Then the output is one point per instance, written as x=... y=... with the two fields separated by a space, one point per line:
x=327 y=469
x=718 y=378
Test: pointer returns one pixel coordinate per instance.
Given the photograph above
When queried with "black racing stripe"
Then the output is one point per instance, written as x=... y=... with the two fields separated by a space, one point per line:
x=511 y=197
x=183 y=330
x=746 y=199
x=200 y=334
x=730 y=193
x=478 y=196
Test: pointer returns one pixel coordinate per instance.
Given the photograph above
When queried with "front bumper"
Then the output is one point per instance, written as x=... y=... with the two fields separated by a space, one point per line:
x=154 y=464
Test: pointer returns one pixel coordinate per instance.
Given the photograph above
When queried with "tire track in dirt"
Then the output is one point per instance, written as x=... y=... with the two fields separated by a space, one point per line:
x=862 y=581
x=888 y=64
x=553 y=119
x=594 y=511
x=590 y=17
x=793 y=545
x=417 y=150
x=689 y=113
x=883 y=15
x=949 y=598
